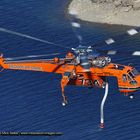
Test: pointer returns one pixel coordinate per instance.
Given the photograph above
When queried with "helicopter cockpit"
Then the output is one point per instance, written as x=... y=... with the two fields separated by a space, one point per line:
x=133 y=73
x=130 y=76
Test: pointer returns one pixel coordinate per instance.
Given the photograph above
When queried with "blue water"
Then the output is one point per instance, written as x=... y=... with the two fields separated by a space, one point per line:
x=31 y=101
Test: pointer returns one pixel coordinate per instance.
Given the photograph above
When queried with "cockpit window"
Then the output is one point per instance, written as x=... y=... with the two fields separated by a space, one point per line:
x=131 y=74
x=124 y=78
x=135 y=72
x=133 y=82
x=129 y=78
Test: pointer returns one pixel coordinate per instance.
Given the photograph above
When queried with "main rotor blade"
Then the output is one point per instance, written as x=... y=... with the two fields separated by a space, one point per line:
x=115 y=52
x=30 y=37
x=33 y=56
x=114 y=39
x=75 y=25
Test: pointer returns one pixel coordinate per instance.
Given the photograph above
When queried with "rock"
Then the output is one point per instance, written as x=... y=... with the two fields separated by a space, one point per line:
x=125 y=3
x=119 y=12
x=94 y=1
x=102 y=1
x=122 y=3
x=136 y=5
x=117 y=3
x=110 y=1
x=126 y=9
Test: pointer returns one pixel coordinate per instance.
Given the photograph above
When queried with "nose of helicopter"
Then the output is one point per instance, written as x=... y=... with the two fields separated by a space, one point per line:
x=138 y=81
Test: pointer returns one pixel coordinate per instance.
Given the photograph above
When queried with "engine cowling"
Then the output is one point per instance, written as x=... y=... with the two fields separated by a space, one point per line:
x=101 y=61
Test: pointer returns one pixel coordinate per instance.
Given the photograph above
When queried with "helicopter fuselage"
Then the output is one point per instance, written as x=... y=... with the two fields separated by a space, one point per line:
x=74 y=74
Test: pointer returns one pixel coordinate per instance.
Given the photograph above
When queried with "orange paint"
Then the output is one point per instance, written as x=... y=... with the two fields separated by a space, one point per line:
x=75 y=75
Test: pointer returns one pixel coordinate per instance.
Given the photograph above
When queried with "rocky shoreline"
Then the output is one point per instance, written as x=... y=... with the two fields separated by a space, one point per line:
x=120 y=12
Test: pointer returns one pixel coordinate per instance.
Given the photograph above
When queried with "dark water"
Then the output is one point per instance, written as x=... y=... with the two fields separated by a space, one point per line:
x=31 y=101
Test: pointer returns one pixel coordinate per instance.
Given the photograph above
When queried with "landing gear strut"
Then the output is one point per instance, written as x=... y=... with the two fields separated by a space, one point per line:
x=131 y=96
x=102 y=106
x=64 y=82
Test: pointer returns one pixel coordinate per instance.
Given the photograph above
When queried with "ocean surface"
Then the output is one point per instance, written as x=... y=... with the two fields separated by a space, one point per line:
x=31 y=101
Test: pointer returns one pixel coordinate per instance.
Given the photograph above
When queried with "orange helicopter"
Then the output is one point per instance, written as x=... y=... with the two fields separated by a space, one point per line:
x=82 y=67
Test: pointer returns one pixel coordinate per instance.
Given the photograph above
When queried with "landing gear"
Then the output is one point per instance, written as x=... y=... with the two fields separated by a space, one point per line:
x=64 y=82
x=131 y=96
x=126 y=94
x=64 y=103
x=102 y=106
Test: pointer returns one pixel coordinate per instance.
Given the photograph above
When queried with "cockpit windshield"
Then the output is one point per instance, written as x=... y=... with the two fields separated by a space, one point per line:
x=133 y=73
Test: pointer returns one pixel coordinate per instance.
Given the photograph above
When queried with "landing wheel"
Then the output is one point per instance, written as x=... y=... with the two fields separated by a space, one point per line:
x=131 y=96
x=64 y=103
